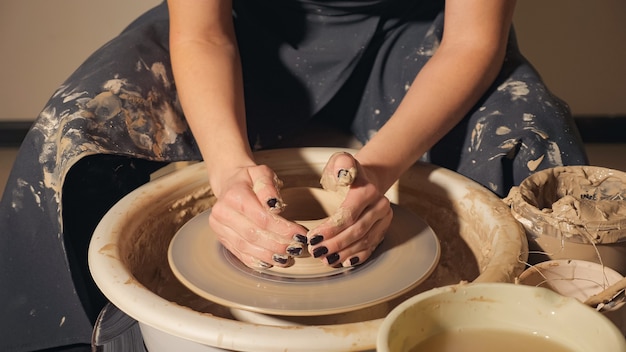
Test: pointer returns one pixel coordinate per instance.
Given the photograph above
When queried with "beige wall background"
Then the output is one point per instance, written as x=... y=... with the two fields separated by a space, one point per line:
x=42 y=42
x=578 y=46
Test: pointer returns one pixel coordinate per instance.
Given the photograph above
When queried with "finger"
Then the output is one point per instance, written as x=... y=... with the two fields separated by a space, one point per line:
x=266 y=186
x=362 y=205
x=360 y=251
x=256 y=225
x=252 y=256
x=331 y=239
x=249 y=221
x=297 y=245
x=259 y=261
x=250 y=252
x=269 y=195
x=340 y=171
x=319 y=236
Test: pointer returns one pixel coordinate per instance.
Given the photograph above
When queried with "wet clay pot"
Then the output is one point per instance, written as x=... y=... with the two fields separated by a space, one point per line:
x=574 y=212
x=480 y=242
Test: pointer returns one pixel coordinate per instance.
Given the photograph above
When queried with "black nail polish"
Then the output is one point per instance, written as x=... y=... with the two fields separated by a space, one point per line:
x=300 y=238
x=316 y=239
x=331 y=258
x=272 y=202
x=294 y=251
x=320 y=251
x=354 y=260
x=342 y=173
x=281 y=259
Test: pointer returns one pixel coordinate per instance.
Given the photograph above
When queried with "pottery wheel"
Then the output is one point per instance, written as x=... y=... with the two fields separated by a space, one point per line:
x=407 y=256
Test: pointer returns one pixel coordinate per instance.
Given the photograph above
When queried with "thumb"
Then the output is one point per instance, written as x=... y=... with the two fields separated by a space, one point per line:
x=340 y=172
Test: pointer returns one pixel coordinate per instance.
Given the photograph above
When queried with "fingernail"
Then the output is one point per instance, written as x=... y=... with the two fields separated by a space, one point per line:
x=316 y=239
x=281 y=259
x=320 y=251
x=354 y=261
x=331 y=258
x=300 y=238
x=272 y=202
x=344 y=178
x=342 y=173
x=295 y=249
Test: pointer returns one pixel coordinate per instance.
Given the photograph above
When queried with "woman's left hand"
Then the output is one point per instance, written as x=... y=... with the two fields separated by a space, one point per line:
x=349 y=236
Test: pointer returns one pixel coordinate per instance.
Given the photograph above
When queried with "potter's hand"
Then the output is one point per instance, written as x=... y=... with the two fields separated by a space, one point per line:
x=246 y=221
x=350 y=235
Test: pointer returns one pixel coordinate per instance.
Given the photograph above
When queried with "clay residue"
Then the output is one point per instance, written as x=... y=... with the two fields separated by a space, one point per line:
x=518 y=90
x=110 y=250
x=339 y=183
x=607 y=295
x=584 y=203
x=118 y=117
x=581 y=211
x=145 y=251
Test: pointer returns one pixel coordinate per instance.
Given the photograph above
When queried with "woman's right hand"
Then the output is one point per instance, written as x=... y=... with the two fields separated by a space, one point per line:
x=207 y=70
x=247 y=222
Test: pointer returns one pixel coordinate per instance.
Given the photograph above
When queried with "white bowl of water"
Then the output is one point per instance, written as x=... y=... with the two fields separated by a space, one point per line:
x=490 y=317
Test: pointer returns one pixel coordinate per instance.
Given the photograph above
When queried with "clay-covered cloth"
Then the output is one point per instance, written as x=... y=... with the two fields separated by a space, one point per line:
x=117 y=119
